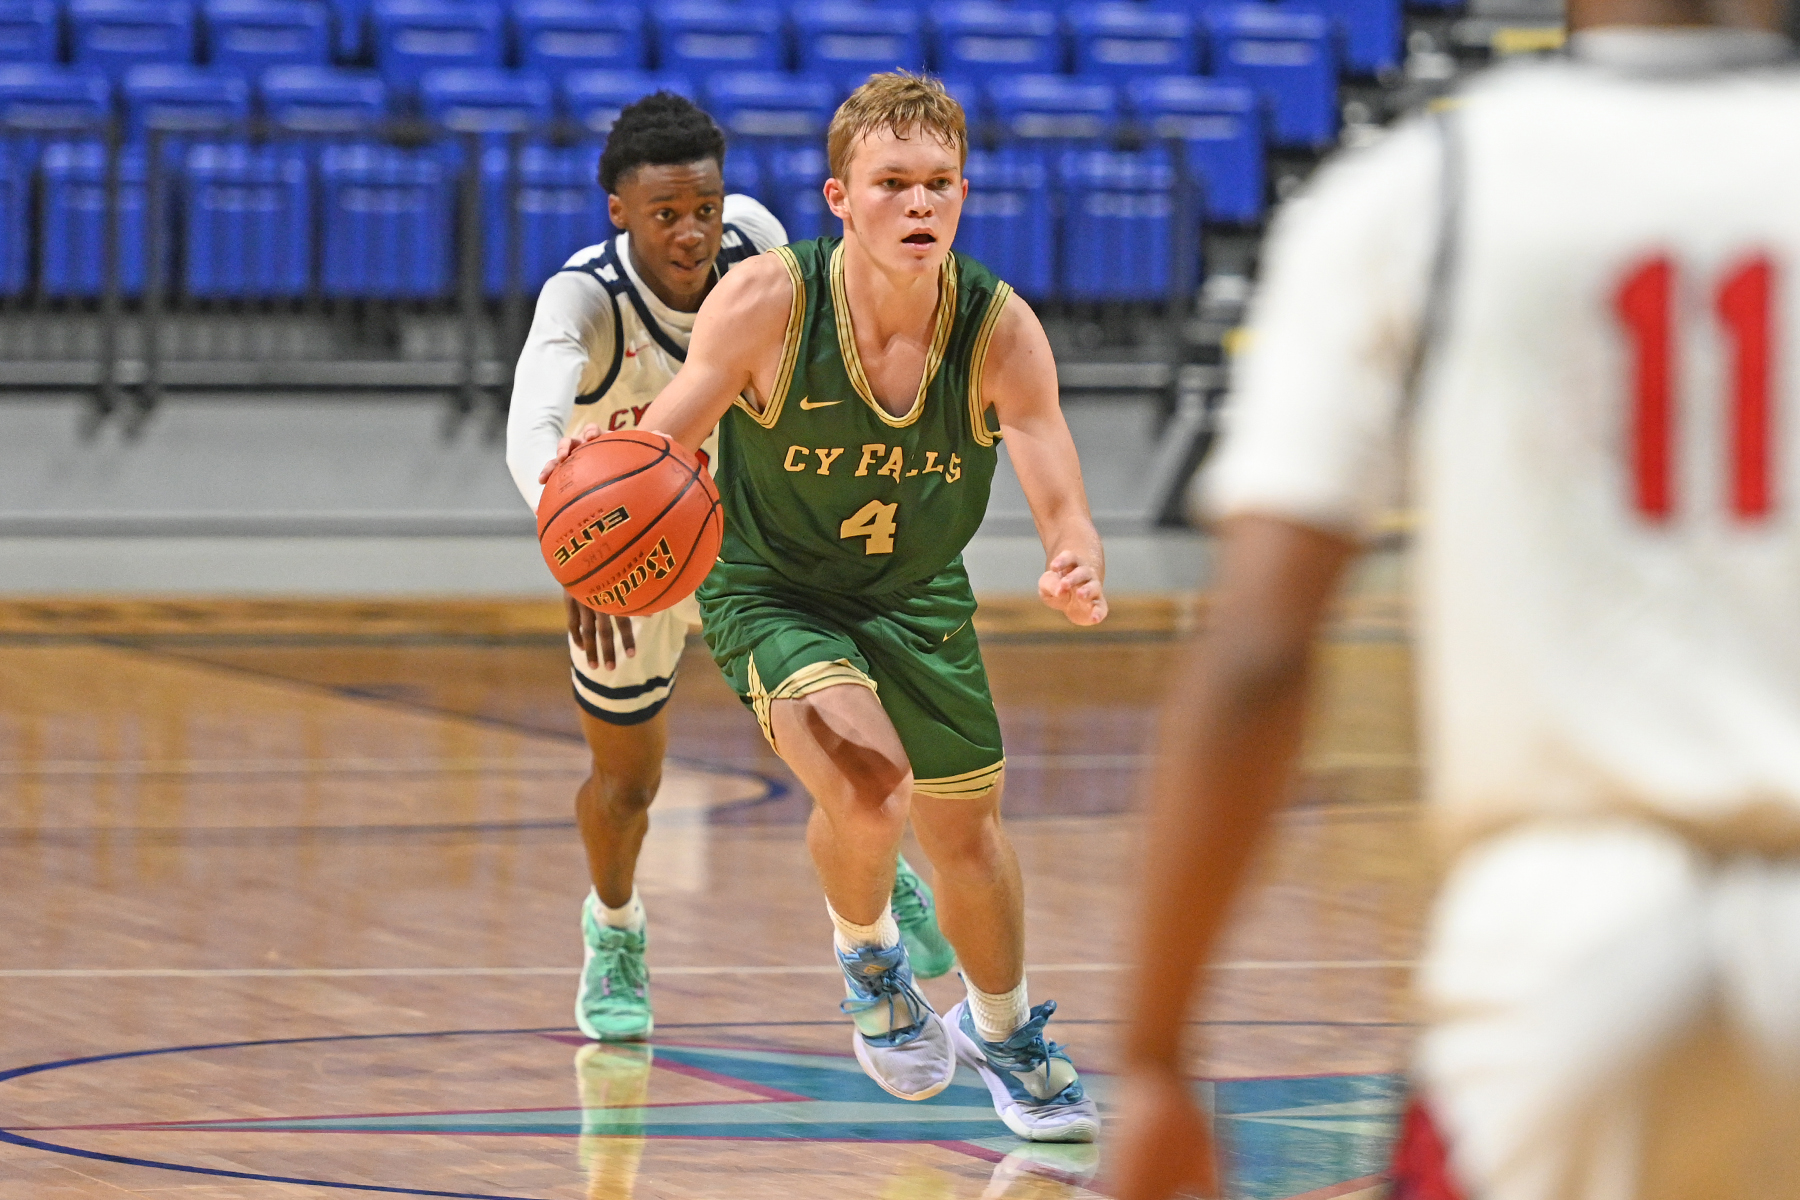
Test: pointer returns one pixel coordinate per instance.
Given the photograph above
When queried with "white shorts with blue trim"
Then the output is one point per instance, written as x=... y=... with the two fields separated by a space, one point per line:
x=636 y=689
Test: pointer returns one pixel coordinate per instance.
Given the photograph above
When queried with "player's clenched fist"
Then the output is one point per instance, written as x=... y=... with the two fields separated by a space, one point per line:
x=1074 y=589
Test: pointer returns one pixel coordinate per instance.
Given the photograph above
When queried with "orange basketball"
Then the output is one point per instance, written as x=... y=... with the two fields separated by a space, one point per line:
x=630 y=523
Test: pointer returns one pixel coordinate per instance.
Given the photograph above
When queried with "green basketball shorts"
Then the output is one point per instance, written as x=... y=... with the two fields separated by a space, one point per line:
x=915 y=649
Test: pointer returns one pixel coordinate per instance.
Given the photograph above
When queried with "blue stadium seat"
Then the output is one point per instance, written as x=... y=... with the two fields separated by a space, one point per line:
x=349 y=29
x=846 y=41
x=39 y=96
x=1220 y=127
x=1009 y=219
x=386 y=223
x=184 y=99
x=982 y=38
x=246 y=217
x=1118 y=225
x=73 y=225
x=322 y=99
x=28 y=31
x=595 y=98
x=1289 y=59
x=1126 y=41
x=1371 y=31
x=770 y=104
x=554 y=37
x=116 y=34
x=559 y=209
x=416 y=36
x=700 y=37
x=1054 y=106
x=744 y=175
x=796 y=176
x=967 y=92
x=15 y=210
x=252 y=35
x=485 y=100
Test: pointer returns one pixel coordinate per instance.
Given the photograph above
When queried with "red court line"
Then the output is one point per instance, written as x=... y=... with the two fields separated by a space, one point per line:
x=1344 y=1188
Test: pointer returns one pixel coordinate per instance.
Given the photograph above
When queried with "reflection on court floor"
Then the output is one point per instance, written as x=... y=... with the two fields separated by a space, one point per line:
x=709 y=1095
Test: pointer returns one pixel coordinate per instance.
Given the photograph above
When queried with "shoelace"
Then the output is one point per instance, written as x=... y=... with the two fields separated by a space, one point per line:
x=887 y=988
x=1028 y=1049
x=909 y=901
x=619 y=962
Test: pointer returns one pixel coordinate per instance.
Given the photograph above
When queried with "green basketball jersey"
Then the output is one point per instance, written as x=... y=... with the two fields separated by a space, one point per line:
x=826 y=486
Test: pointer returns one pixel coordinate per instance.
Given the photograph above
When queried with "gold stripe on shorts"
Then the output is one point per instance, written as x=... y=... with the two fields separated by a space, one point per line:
x=814 y=677
x=967 y=786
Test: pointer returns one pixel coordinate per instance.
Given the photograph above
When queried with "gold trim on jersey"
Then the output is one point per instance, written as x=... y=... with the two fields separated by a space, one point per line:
x=970 y=785
x=814 y=677
x=790 y=348
x=977 y=360
x=846 y=333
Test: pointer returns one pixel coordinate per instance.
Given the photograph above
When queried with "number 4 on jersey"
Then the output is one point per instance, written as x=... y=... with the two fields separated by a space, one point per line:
x=1645 y=304
x=874 y=521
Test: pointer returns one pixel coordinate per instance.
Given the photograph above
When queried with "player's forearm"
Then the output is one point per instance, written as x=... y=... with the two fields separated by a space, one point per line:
x=544 y=387
x=685 y=411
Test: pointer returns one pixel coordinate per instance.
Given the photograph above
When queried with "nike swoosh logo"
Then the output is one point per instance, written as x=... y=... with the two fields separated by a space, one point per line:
x=809 y=405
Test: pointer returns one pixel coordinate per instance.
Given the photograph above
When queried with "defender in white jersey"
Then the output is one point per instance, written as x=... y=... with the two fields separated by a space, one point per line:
x=1568 y=303
x=610 y=331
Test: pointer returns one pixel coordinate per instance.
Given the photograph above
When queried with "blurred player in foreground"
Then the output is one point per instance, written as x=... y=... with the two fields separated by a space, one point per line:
x=858 y=381
x=610 y=331
x=1573 y=293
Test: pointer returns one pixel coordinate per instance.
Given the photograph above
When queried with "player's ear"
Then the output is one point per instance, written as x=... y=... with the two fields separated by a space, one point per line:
x=837 y=199
x=615 y=208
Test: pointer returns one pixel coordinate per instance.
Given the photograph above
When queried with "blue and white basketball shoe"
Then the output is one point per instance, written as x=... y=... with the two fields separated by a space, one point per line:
x=901 y=1042
x=1034 y=1085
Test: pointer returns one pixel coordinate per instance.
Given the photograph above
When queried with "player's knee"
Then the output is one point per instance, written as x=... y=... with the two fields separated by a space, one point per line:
x=622 y=795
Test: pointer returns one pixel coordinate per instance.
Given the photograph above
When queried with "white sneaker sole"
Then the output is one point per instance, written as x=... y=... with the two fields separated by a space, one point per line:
x=1080 y=1127
x=868 y=1066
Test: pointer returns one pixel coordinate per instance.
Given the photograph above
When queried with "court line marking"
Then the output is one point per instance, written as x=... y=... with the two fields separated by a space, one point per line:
x=430 y=972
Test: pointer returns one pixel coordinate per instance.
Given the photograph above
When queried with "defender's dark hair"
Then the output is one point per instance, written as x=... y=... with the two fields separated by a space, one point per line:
x=662 y=129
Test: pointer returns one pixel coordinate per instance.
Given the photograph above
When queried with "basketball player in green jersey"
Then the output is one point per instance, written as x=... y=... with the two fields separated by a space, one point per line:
x=861 y=386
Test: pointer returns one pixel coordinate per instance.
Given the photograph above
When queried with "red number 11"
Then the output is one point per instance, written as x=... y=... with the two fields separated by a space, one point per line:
x=1644 y=303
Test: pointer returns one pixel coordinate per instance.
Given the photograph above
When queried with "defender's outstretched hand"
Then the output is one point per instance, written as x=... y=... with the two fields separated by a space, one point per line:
x=565 y=448
x=1074 y=589
x=1162 y=1146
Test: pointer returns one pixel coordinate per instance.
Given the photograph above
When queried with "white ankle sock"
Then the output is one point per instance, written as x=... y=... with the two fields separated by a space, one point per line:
x=850 y=936
x=631 y=917
x=997 y=1015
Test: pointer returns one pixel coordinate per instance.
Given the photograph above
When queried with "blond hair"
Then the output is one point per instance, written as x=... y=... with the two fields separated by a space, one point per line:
x=901 y=103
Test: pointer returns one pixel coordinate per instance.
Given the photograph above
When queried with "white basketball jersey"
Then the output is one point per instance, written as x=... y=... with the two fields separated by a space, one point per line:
x=1604 y=438
x=602 y=346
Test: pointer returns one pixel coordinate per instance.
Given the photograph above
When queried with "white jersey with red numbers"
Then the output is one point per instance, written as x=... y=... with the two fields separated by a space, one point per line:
x=1603 y=445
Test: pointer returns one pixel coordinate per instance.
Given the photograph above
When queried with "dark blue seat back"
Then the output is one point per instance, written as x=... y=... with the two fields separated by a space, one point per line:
x=28 y=31
x=322 y=99
x=700 y=37
x=1126 y=41
x=1054 y=106
x=1009 y=218
x=554 y=37
x=254 y=35
x=1290 y=59
x=845 y=41
x=1220 y=127
x=1118 y=226
x=386 y=221
x=983 y=38
x=770 y=104
x=116 y=34
x=595 y=98
x=184 y=100
x=485 y=100
x=796 y=176
x=1370 y=31
x=15 y=211
x=40 y=96
x=559 y=205
x=72 y=230
x=246 y=215
x=416 y=36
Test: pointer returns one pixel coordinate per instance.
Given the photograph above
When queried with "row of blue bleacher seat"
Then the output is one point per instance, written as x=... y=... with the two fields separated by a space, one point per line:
x=1219 y=124
x=1072 y=224
x=841 y=40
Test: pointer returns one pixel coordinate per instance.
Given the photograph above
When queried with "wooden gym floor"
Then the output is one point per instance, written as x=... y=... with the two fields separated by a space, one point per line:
x=291 y=910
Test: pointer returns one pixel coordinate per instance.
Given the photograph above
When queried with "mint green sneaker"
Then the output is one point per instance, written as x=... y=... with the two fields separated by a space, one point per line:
x=916 y=914
x=613 y=1003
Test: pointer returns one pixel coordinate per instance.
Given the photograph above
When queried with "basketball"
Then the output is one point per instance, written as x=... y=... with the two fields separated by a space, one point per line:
x=630 y=523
